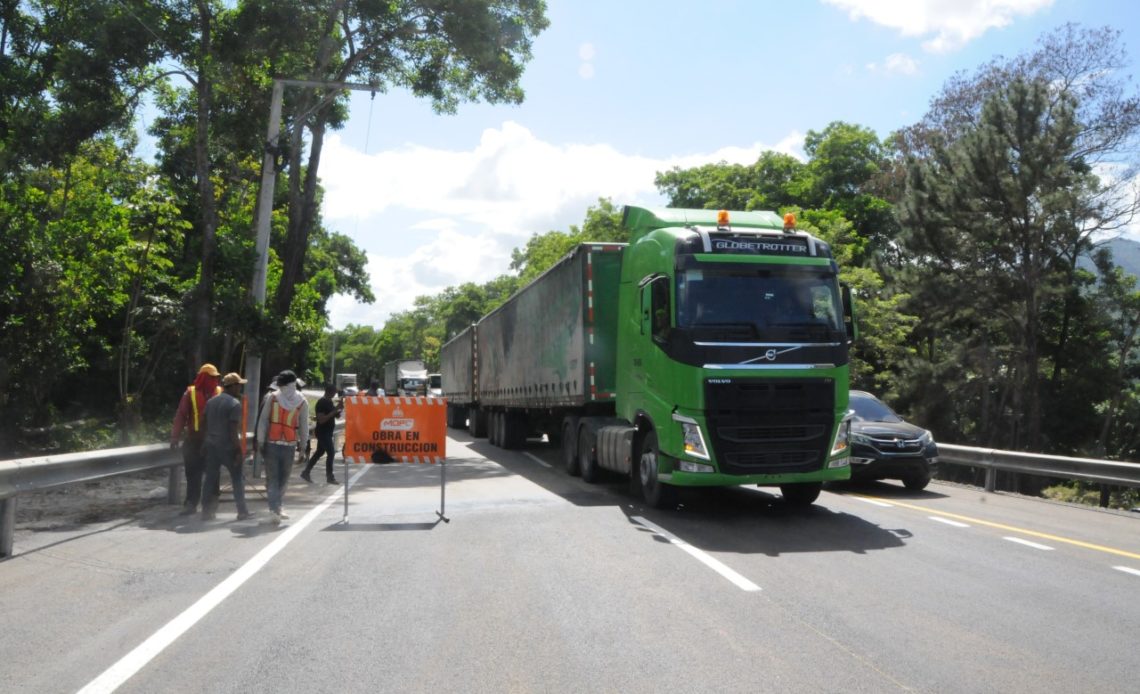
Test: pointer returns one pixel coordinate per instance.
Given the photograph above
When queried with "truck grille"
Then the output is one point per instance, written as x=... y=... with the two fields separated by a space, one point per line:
x=773 y=426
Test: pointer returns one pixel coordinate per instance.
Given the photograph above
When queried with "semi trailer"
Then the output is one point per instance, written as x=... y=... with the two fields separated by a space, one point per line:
x=711 y=350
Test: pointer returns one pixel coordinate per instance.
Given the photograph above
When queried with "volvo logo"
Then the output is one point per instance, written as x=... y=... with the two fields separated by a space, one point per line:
x=771 y=353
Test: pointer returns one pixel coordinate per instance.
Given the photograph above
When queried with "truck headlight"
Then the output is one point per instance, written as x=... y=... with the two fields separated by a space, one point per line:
x=842 y=436
x=692 y=439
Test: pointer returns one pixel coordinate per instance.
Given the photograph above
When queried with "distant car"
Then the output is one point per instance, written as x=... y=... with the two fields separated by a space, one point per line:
x=884 y=446
x=350 y=391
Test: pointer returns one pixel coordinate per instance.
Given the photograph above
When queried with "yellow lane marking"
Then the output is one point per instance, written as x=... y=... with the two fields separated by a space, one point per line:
x=1011 y=528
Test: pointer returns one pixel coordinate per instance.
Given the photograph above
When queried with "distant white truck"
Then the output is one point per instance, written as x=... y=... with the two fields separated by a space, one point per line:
x=435 y=385
x=405 y=377
x=346 y=384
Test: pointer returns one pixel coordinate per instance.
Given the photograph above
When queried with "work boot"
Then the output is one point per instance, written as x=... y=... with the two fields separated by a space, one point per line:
x=187 y=510
x=331 y=480
x=209 y=515
x=305 y=476
x=244 y=515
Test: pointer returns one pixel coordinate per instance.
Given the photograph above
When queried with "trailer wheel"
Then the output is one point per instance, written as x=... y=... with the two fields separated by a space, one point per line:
x=492 y=430
x=476 y=422
x=801 y=494
x=588 y=454
x=655 y=492
x=570 y=446
x=514 y=430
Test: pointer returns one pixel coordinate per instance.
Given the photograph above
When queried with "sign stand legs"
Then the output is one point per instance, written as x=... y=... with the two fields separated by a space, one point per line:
x=342 y=456
x=442 y=491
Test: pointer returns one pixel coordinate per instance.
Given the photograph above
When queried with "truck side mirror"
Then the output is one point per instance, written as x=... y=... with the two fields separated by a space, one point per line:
x=849 y=322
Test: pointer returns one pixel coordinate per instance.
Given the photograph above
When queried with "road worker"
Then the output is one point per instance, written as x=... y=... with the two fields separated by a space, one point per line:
x=282 y=434
x=191 y=419
x=223 y=447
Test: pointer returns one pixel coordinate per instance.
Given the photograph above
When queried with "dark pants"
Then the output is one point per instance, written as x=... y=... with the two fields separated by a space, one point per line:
x=194 y=462
x=324 y=445
x=218 y=457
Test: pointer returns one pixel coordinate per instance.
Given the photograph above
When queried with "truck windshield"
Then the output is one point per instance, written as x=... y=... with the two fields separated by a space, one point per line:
x=795 y=303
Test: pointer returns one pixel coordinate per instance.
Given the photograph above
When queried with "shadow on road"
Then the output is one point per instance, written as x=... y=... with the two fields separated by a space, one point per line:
x=746 y=520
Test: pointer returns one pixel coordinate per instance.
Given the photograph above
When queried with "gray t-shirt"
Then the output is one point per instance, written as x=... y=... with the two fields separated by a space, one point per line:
x=222 y=411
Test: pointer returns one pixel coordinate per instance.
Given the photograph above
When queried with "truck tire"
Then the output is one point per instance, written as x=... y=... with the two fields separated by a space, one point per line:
x=514 y=430
x=655 y=492
x=476 y=422
x=456 y=417
x=588 y=454
x=570 y=446
x=801 y=494
x=493 y=428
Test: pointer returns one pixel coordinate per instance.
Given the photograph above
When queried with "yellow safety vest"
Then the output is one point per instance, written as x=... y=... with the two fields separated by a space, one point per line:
x=194 y=406
x=282 y=429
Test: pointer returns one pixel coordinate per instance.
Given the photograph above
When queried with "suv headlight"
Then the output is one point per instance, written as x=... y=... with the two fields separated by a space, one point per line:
x=692 y=438
x=857 y=437
x=926 y=439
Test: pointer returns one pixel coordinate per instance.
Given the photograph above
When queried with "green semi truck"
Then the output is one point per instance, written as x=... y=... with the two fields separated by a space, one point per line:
x=710 y=350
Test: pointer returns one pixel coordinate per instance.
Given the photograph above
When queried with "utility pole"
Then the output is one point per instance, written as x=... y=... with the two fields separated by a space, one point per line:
x=264 y=214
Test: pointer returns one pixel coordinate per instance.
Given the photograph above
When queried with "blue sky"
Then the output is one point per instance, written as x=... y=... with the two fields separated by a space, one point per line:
x=620 y=89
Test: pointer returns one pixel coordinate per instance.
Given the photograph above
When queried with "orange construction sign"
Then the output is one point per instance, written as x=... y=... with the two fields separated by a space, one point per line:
x=391 y=429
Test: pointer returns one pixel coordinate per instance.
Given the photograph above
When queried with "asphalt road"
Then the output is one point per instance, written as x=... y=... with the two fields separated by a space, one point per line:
x=541 y=582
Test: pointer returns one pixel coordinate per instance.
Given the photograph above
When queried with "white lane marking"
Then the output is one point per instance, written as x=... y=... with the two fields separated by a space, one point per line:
x=1128 y=570
x=740 y=581
x=947 y=521
x=131 y=663
x=1027 y=543
x=874 y=502
x=536 y=459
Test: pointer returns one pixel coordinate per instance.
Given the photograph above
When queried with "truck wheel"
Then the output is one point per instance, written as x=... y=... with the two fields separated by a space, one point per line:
x=492 y=430
x=801 y=494
x=570 y=446
x=655 y=492
x=518 y=427
x=476 y=422
x=916 y=481
x=588 y=455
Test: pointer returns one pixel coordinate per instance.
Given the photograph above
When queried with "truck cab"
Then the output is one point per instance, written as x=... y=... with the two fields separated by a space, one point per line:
x=732 y=352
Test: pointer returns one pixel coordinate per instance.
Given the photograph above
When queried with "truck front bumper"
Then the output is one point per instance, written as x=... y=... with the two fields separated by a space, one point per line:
x=838 y=471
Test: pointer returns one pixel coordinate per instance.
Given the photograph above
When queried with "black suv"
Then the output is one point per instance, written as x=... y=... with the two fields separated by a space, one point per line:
x=883 y=445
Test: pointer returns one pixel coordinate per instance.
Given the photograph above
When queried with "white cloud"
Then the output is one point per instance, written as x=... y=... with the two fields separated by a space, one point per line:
x=953 y=23
x=433 y=218
x=586 y=71
x=586 y=51
x=901 y=64
x=895 y=63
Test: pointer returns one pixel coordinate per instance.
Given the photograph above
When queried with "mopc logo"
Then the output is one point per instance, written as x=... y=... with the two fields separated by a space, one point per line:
x=397 y=422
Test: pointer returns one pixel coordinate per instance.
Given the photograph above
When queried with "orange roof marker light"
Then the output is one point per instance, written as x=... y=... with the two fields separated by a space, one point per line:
x=722 y=218
x=789 y=222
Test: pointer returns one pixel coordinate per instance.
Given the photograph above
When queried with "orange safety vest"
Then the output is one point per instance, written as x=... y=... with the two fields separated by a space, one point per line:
x=283 y=430
x=194 y=406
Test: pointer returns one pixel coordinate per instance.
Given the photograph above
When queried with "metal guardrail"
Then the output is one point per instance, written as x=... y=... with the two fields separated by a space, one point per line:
x=24 y=475
x=37 y=474
x=1116 y=472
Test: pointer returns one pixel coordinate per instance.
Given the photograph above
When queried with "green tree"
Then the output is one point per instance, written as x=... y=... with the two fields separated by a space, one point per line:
x=994 y=220
x=602 y=223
